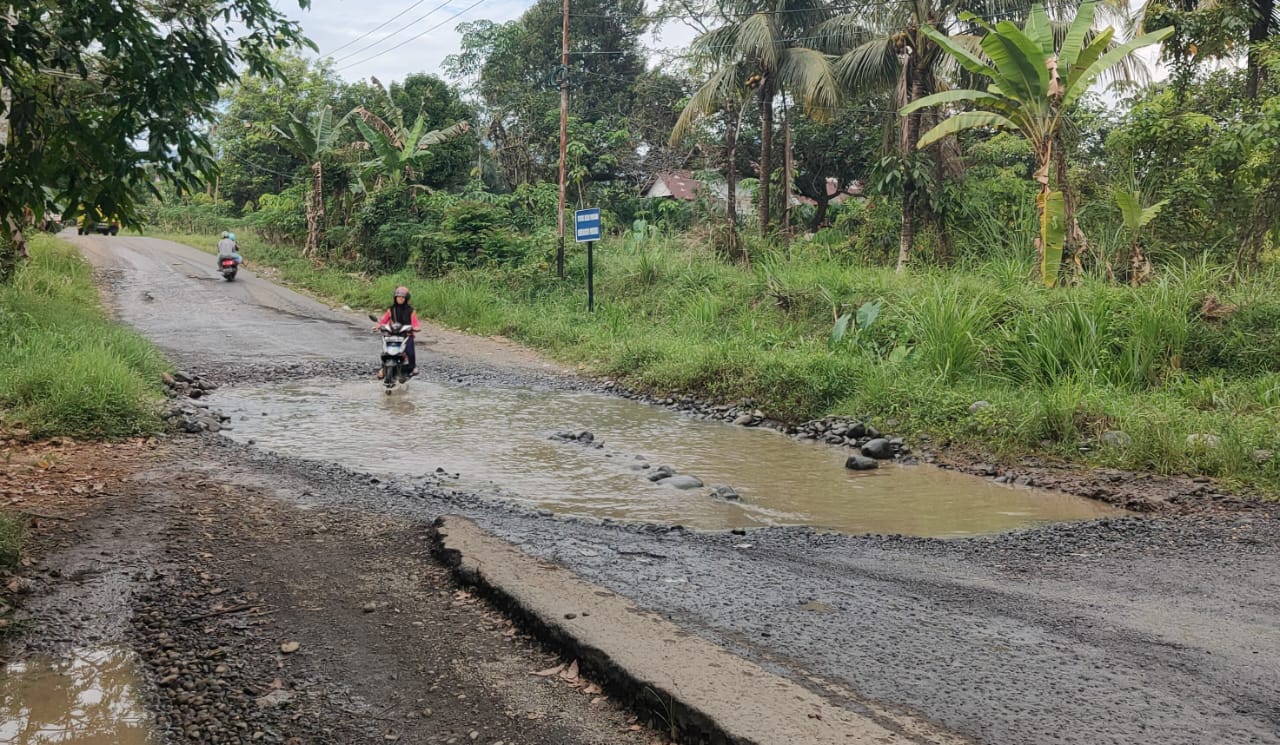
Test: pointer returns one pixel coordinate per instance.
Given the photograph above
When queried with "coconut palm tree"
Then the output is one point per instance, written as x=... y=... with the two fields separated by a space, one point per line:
x=883 y=48
x=1035 y=77
x=725 y=93
x=763 y=38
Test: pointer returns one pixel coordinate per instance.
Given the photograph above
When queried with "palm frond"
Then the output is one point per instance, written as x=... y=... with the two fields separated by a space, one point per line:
x=846 y=32
x=723 y=86
x=873 y=66
x=807 y=73
x=758 y=39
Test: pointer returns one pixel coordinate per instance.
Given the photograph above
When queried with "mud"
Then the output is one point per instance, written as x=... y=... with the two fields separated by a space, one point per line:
x=206 y=577
x=1130 y=630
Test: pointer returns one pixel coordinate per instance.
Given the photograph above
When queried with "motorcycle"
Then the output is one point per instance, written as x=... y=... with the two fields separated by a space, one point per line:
x=228 y=267
x=395 y=358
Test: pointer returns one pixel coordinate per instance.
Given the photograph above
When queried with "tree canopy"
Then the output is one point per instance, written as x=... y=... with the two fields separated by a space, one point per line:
x=103 y=99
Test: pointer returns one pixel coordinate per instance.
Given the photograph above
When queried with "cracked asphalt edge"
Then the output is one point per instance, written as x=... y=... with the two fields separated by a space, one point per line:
x=684 y=683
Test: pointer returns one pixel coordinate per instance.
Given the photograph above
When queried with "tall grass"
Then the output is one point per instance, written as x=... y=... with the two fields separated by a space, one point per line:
x=13 y=530
x=67 y=369
x=949 y=327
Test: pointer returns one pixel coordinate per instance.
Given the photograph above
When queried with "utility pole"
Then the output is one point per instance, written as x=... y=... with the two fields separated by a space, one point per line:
x=564 y=134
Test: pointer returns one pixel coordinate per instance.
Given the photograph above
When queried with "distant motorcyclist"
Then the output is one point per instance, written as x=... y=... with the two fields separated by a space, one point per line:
x=227 y=247
x=402 y=312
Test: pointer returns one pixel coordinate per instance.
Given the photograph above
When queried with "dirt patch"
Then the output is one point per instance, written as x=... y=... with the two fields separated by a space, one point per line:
x=258 y=621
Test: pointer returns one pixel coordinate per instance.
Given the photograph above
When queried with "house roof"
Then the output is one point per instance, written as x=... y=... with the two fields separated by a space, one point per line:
x=679 y=184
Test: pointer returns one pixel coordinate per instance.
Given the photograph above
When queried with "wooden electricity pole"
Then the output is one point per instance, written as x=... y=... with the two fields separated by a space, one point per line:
x=564 y=134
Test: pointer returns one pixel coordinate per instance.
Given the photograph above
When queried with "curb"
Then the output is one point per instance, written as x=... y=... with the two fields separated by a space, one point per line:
x=686 y=684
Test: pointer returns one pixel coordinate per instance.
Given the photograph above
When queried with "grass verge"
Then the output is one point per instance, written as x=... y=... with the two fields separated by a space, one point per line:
x=1186 y=368
x=12 y=531
x=68 y=370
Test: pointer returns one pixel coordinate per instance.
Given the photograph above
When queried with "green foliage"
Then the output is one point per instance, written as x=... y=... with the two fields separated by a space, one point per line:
x=948 y=325
x=202 y=216
x=103 y=96
x=1035 y=78
x=281 y=217
x=13 y=530
x=859 y=322
x=471 y=234
x=1244 y=343
x=67 y=370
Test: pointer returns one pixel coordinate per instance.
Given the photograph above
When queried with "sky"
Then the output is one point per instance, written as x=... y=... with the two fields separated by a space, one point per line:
x=390 y=39
x=351 y=32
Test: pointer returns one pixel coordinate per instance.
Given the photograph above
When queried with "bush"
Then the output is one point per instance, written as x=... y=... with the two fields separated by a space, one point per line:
x=192 y=218
x=281 y=218
x=471 y=234
x=1246 y=342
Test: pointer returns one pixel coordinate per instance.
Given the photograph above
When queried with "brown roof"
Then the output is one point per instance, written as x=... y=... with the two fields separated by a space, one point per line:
x=682 y=184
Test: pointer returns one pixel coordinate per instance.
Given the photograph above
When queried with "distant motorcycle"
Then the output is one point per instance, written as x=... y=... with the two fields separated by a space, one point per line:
x=395 y=358
x=228 y=267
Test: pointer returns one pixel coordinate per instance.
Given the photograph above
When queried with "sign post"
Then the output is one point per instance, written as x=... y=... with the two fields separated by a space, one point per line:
x=586 y=229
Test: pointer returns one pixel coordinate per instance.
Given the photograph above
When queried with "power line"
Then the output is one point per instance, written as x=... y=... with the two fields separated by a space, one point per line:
x=395 y=33
x=413 y=38
x=375 y=28
x=251 y=164
x=993 y=16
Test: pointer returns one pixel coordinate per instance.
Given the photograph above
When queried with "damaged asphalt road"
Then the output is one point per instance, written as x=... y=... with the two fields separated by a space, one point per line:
x=1129 y=630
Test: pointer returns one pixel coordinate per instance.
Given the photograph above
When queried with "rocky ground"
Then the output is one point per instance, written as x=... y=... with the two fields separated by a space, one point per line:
x=260 y=620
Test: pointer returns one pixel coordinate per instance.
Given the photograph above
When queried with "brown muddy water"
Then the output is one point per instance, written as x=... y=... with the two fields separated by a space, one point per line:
x=89 y=698
x=499 y=439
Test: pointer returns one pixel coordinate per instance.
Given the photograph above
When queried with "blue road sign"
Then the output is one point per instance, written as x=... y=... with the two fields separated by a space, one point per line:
x=586 y=225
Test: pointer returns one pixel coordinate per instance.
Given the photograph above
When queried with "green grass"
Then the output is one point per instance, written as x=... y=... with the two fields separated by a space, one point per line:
x=66 y=369
x=1059 y=367
x=12 y=531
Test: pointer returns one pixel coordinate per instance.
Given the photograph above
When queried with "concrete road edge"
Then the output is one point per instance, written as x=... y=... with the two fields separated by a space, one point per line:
x=681 y=680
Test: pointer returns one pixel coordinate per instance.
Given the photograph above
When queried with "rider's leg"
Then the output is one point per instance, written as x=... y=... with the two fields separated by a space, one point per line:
x=413 y=359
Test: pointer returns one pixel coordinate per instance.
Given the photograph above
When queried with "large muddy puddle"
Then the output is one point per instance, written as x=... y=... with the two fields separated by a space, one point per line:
x=88 y=698
x=500 y=438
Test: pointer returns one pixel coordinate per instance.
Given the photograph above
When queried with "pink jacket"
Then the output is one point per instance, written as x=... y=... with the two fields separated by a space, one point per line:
x=386 y=318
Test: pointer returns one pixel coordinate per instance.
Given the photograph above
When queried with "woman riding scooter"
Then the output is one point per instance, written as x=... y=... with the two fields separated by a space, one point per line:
x=401 y=312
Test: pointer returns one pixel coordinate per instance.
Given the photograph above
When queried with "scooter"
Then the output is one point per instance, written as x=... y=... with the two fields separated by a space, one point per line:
x=395 y=358
x=228 y=267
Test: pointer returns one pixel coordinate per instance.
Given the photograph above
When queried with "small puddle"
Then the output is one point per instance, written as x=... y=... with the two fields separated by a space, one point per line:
x=501 y=436
x=90 y=698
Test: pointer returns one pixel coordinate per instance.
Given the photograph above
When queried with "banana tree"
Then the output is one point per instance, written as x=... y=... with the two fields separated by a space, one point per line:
x=1135 y=218
x=310 y=140
x=1033 y=86
x=398 y=150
